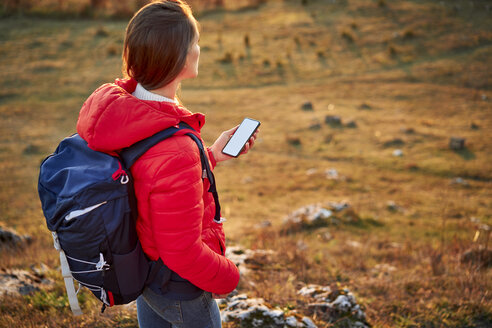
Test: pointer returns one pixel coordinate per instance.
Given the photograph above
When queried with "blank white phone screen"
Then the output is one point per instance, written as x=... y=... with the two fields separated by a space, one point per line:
x=240 y=137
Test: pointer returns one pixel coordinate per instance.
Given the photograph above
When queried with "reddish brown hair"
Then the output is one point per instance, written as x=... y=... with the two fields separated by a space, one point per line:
x=157 y=41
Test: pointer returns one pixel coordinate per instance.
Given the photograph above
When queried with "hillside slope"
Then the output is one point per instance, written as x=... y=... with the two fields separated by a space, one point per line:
x=358 y=102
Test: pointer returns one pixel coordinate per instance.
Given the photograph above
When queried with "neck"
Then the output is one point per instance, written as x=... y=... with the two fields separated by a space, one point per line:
x=168 y=91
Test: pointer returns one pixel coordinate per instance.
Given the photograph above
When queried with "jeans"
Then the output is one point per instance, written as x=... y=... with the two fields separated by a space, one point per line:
x=154 y=310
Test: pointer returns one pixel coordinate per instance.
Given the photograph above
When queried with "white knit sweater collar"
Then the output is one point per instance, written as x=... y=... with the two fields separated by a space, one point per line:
x=143 y=94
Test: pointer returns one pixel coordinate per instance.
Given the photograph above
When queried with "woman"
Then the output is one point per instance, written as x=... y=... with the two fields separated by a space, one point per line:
x=176 y=210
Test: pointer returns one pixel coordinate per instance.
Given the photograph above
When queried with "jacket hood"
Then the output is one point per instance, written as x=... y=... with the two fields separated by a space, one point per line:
x=112 y=118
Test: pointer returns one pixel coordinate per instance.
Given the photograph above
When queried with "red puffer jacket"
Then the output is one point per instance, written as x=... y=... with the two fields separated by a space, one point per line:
x=176 y=210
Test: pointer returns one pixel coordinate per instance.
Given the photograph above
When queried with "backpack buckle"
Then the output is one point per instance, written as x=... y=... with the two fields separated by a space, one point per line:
x=56 y=241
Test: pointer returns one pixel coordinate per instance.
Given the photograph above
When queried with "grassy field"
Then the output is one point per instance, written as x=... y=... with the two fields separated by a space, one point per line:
x=409 y=74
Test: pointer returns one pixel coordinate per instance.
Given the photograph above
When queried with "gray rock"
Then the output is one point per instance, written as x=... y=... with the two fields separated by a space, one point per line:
x=248 y=259
x=397 y=153
x=256 y=313
x=332 y=306
x=481 y=257
x=393 y=207
x=307 y=106
x=315 y=126
x=457 y=143
x=459 y=181
x=342 y=303
x=40 y=270
x=308 y=323
x=264 y=224
x=333 y=120
x=394 y=143
x=407 y=130
x=11 y=240
x=339 y=206
x=32 y=150
x=332 y=174
x=351 y=124
x=20 y=282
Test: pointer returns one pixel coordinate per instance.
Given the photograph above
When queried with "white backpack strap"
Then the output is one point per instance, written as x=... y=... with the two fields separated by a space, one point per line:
x=67 y=276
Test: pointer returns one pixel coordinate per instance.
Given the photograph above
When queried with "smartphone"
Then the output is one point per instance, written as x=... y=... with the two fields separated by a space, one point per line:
x=240 y=137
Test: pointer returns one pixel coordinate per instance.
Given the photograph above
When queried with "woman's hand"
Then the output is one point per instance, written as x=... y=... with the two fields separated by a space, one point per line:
x=222 y=140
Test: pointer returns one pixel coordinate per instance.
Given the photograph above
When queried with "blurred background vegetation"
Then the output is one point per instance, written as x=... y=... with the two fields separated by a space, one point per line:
x=108 y=8
x=384 y=105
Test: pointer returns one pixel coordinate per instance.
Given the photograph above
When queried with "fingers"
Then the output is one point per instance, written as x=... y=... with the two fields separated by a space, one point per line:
x=222 y=141
x=230 y=132
x=250 y=143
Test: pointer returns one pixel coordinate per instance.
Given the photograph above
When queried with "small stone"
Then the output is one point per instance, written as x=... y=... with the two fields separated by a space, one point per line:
x=398 y=153
x=484 y=96
x=365 y=106
x=10 y=239
x=383 y=270
x=351 y=124
x=328 y=138
x=19 y=282
x=481 y=257
x=395 y=245
x=315 y=126
x=339 y=206
x=247 y=180
x=332 y=305
x=308 y=323
x=457 y=143
x=407 y=130
x=307 y=106
x=301 y=245
x=294 y=141
x=291 y=322
x=460 y=181
x=323 y=214
x=474 y=126
x=474 y=220
x=101 y=31
x=354 y=244
x=394 y=142
x=392 y=206
x=326 y=236
x=333 y=120
x=342 y=303
x=264 y=224
x=311 y=171
x=247 y=259
x=40 y=270
x=252 y=312
x=484 y=227
x=32 y=150
x=331 y=174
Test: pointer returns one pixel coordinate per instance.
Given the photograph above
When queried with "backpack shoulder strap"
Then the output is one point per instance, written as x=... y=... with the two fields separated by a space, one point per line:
x=130 y=154
x=207 y=173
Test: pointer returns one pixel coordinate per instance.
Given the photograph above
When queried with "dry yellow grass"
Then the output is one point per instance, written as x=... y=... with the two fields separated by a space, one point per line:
x=411 y=74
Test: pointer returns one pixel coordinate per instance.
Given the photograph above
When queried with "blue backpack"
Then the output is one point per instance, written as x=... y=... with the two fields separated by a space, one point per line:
x=90 y=206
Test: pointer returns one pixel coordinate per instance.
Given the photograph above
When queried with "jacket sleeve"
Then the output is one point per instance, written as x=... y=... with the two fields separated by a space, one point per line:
x=211 y=158
x=176 y=212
